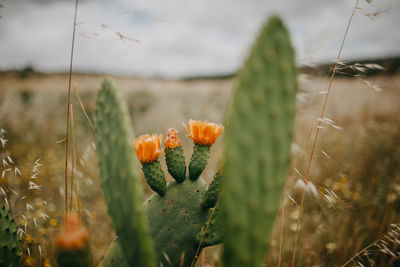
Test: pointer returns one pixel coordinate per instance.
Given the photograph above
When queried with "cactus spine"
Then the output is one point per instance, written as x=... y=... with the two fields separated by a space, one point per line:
x=120 y=179
x=10 y=245
x=258 y=139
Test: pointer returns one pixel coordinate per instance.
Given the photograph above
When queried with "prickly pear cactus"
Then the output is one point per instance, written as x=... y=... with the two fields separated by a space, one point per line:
x=10 y=245
x=174 y=215
x=120 y=177
x=257 y=139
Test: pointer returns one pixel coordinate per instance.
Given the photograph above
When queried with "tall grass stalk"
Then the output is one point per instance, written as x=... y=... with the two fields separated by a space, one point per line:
x=68 y=110
x=306 y=178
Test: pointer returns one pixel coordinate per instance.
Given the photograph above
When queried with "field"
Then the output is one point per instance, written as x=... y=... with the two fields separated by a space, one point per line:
x=352 y=201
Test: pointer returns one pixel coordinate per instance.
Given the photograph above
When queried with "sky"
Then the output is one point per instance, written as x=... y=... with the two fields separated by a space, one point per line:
x=180 y=38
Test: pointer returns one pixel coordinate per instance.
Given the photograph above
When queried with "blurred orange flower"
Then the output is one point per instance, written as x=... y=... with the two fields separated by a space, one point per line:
x=148 y=147
x=204 y=132
x=72 y=234
x=172 y=139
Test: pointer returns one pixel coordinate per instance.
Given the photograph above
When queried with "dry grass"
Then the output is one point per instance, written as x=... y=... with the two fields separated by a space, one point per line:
x=355 y=171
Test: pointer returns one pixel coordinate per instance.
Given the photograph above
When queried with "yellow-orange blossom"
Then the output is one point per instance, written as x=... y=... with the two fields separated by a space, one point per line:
x=72 y=234
x=204 y=132
x=148 y=147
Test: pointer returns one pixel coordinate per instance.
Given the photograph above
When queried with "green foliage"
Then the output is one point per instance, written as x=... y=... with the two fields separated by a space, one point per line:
x=198 y=162
x=258 y=138
x=10 y=245
x=120 y=178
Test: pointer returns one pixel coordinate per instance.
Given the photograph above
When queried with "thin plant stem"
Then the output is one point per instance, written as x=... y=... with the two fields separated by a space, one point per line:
x=306 y=178
x=281 y=231
x=358 y=253
x=83 y=108
x=68 y=111
x=75 y=170
x=73 y=159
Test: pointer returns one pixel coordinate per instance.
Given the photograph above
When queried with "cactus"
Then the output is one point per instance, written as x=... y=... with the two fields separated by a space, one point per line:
x=177 y=224
x=174 y=216
x=120 y=178
x=257 y=142
x=10 y=245
x=72 y=244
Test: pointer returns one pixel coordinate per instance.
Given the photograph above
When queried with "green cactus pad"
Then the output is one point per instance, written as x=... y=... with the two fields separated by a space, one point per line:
x=198 y=162
x=10 y=245
x=212 y=194
x=176 y=163
x=119 y=174
x=154 y=176
x=175 y=221
x=258 y=137
x=211 y=232
x=76 y=257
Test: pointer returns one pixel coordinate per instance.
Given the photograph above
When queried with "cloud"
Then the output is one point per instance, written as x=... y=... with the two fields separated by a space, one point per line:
x=180 y=38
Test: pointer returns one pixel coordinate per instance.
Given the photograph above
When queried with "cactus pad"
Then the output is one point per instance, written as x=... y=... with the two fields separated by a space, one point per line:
x=258 y=138
x=212 y=194
x=199 y=159
x=176 y=163
x=175 y=221
x=154 y=176
x=119 y=173
x=10 y=245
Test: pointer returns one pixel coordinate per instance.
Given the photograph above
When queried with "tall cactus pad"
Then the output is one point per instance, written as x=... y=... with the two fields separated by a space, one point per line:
x=199 y=159
x=176 y=163
x=10 y=245
x=154 y=176
x=120 y=178
x=175 y=221
x=257 y=139
x=212 y=194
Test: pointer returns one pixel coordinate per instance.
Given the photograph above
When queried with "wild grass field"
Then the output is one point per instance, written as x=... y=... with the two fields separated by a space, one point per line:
x=352 y=200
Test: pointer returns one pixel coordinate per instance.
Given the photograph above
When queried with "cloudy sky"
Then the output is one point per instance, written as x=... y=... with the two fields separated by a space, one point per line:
x=176 y=38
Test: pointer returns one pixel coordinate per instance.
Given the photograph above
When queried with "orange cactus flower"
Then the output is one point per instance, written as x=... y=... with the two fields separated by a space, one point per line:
x=72 y=234
x=204 y=132
x=148 y=147
x=172 y=139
